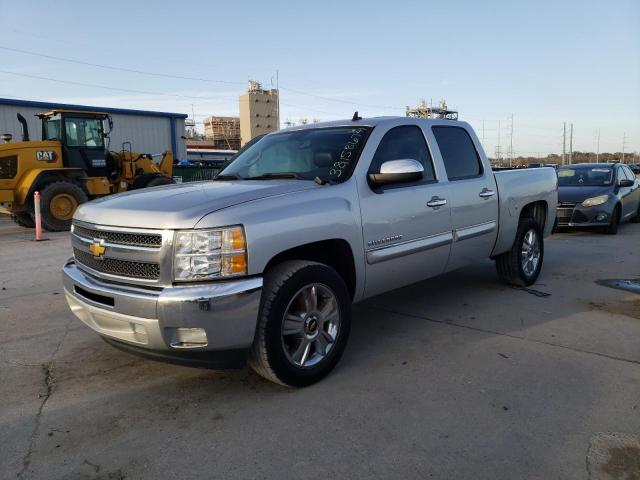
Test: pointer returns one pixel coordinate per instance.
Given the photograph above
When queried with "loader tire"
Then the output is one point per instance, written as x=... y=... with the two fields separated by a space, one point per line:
x=58 y=203
x=150 y=180
x=23 y=219
x=154 y=182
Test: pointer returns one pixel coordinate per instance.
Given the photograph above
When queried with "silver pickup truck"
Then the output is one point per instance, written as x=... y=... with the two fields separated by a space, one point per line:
x=263 y=263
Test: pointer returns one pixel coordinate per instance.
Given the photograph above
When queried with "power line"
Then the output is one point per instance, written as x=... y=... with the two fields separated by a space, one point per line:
x=338 y=100
x=107 y=87
x=120 y=69
x=184 y=77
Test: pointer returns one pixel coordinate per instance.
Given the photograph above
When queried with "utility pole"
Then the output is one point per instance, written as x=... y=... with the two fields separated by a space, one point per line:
x=598 y=150
x=571 y=146
x=624 y=141
x=278 y=90
x=511 y=144
x=564 y=143
x=498 y=148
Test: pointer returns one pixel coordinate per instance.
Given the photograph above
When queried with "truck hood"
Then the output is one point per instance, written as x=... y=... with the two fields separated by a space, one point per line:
x=182 y=205
x=579 y=194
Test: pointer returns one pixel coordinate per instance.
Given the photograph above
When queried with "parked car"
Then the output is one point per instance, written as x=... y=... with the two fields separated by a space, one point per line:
x=635 y=168
x=264 y=262
x=597 y=195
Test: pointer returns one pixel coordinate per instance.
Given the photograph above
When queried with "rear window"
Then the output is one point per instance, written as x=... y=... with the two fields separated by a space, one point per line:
x=585 y=176
x=461 y=160
x=8 y=167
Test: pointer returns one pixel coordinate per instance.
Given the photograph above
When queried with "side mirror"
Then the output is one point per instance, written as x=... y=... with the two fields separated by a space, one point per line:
x=625 y=182
x=397 y=171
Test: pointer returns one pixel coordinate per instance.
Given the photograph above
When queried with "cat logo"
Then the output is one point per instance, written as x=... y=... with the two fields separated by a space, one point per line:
x=46 y=156
x=97 y=248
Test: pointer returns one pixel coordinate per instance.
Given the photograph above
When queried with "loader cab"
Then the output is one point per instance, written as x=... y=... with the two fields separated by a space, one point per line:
x=82 y=135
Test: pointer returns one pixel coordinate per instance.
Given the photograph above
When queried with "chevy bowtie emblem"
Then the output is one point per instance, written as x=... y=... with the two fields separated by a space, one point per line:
x=97 y=248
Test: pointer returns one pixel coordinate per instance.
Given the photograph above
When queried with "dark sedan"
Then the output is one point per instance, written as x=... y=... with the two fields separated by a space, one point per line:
x=597 y=195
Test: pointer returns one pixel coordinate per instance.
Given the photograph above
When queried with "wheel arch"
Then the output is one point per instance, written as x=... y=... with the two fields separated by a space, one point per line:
x=37 y=179
x=537 y=211
x=335 y=253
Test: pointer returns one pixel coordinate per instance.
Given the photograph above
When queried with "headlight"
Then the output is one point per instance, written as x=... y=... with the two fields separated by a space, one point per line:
x=592 y=202
x=208 y=254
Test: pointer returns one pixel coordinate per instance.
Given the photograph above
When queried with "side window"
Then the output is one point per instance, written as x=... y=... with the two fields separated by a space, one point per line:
x=629 y=173
x=405 y=142
x=461 y=160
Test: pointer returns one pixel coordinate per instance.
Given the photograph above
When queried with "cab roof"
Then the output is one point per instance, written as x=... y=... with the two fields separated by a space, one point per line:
x=79 y=112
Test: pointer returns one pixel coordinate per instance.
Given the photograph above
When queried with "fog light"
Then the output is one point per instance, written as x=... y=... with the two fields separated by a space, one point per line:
x=138 y=329
x=190 y=337
x=601 y=216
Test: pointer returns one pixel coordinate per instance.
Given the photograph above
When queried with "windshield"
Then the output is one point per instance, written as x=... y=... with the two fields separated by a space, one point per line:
x=585 y=176
x=84 y=132
x=328 y=153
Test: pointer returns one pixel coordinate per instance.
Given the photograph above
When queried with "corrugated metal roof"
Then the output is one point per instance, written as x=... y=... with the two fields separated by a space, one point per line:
x=87 y=108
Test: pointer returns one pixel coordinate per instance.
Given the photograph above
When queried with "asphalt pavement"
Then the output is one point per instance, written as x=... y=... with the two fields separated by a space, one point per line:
x=457 y=377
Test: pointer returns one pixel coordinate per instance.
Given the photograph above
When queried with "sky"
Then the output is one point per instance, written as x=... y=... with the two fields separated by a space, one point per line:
x=542 y=62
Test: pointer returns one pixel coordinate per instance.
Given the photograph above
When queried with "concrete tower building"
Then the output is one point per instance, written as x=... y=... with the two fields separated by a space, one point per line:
x=258 y=112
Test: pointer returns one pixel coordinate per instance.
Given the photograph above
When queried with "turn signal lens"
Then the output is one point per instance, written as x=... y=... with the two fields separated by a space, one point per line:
x=234 y=264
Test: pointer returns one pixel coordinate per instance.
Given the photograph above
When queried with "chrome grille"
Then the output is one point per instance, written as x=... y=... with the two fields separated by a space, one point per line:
x=113 y=266
x=564 y=212
x=121 y=238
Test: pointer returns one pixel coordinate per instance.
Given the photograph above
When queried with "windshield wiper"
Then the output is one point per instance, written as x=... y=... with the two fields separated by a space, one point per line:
x=269 y=176
x=228 y=176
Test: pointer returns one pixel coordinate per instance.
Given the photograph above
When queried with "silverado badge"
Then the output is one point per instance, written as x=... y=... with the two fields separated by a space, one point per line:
x=97 y=248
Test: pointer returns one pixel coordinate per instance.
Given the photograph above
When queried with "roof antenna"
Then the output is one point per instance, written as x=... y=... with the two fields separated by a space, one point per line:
x=356 y=117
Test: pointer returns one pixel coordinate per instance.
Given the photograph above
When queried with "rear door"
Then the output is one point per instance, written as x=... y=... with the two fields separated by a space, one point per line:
x=406 y=227
x=473 y=196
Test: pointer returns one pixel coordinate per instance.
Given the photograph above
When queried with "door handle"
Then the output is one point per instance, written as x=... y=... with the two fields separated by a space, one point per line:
x=436 y=202
x=486 y=193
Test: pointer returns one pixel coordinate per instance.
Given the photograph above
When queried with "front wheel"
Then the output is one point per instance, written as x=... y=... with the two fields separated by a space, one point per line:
x=521 y=265
x=612 y=228
x=59 y=201
x=303 y=325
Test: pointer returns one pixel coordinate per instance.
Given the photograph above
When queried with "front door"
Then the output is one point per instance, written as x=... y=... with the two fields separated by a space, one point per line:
x=406 y=227
x=474 y=196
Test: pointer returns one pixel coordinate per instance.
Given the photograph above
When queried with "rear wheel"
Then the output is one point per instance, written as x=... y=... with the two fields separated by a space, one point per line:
x=150 y=180
x=59 y=201
x=612 y=228
x=154 y=182
x=304 y=323
x=521 y=265
x=23 y=219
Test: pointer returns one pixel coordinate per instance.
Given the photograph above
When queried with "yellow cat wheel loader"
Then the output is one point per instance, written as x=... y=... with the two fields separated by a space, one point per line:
x=69 y=166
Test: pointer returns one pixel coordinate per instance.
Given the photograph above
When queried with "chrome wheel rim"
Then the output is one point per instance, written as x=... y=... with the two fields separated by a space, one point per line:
x=310 y=325
x=530 y=256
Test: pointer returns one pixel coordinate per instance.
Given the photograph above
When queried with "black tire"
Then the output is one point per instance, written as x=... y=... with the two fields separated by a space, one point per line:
x=148 y=180
x=509 y=264
x=281 y=285
x=23 y=219
x=612 y=228
x=53 y=220
x=160 y=180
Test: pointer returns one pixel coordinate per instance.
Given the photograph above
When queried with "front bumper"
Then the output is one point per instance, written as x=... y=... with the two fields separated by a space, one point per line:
x=145 y=320
x=575 y=215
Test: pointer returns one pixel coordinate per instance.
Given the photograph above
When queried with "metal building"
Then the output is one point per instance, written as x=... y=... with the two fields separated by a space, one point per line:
x=148 y=132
